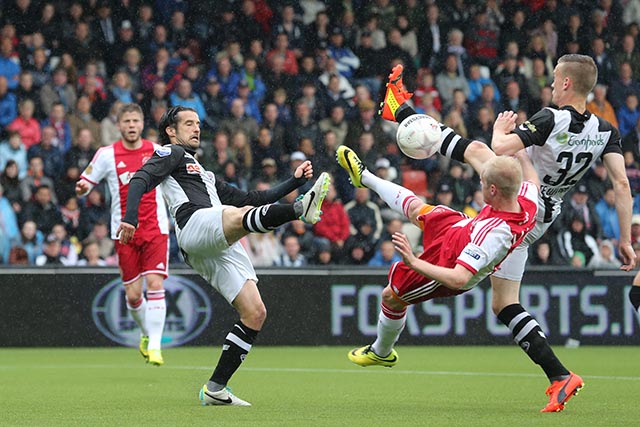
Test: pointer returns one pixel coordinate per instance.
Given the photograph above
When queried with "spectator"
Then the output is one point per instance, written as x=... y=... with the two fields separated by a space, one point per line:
x=606 y=210
x=362 y=210
x=185 y=96
x=27 y=90
x=628 y=53
x=91 y=255
x=251 y=107
x=335 y=225
x=448 y=80
x=317 y=32
x=82 y=46
x=31 y=240
x=291 y=256
x=385 y=256
x=41 y=210
x=367 y=121
x=69 y=247
x=8 y=110
x=9 y=231
x=263 y=249
x=80 y=119
x=580 y=205
x=40 y=68
x=604 y=61
x=9 y=179
x=80 y=155
x=52 y=157
x=14 y=150
x=104 y=28
x=162 y=68
x=51 y=255
x=577 y=246
x=132 y=65
x=623 y=86
x=100 y=234
x=601 y=107
x=335 y=122
x=628 y=115
x=597 y=180
x=58 y=90
x=544 y=252
x=304 y=236
x=238 y=120
x=34 y=179
x=605 y=259
x=25 y=125
x=110 y=132
x=214 y=105
x=70 y=211
x=9 y=63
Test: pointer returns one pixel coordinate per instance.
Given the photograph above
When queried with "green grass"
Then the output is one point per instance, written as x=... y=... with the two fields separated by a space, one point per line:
x=302 y=386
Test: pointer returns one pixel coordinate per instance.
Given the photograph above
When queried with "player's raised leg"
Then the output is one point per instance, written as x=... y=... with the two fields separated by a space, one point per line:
x=398 y=198
x=395 y=96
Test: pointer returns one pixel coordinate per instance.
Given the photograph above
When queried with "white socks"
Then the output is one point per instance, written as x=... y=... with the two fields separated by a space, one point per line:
x=138 y=311
x=397 y=197
x=390 y=326
x=156 y=314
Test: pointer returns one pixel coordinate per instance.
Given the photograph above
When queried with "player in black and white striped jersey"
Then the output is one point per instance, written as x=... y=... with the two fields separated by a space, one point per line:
x=211 y=216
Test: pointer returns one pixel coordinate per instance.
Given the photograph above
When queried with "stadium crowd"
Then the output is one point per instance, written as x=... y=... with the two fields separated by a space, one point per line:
x=276 y=83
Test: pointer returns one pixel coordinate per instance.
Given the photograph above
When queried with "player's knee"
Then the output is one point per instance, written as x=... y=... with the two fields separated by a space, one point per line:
x=255 y=316
x=390 y=299
x=155 y=283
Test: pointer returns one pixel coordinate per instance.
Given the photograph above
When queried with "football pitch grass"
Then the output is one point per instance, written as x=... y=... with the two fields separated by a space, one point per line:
x=309 y=386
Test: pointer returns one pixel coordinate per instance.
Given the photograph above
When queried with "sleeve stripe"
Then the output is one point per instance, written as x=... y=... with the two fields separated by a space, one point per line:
x=486 y=229
x=88 y=180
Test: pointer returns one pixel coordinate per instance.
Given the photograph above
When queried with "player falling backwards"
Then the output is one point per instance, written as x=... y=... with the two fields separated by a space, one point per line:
x=557 y=140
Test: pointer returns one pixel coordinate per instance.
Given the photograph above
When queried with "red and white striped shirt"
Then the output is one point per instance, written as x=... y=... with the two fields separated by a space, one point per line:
x=117 y=165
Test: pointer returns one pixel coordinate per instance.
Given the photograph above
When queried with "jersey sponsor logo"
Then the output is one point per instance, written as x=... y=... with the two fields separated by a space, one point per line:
x=528 y=126
x=588 y=141
x=125 y=177
x=193 y=168
x=163 y=151
x=471 y=253
x=121 y=165
x=189 y=311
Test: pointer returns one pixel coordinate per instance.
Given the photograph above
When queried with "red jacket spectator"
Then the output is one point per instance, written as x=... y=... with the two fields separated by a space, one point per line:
x=335 y=224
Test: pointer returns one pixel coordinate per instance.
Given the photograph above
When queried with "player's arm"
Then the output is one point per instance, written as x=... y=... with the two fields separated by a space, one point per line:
x=152 y=173
x=614 y=163
x=508 y=139
x=93 y=173
x=230 y=195
x=528 y=171
x=453 y=278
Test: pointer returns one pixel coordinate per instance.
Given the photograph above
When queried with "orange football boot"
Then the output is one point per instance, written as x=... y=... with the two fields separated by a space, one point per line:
x=395 y=96
x=560 y=392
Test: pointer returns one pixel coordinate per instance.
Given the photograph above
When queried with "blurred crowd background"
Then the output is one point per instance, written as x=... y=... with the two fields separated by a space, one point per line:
x=276 y=82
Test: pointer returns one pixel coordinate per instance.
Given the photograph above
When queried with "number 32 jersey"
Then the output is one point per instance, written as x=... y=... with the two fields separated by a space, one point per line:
x=563 y=144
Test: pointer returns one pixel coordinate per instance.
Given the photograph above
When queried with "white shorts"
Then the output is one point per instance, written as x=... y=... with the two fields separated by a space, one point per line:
x=226 y=268
x=512 y=268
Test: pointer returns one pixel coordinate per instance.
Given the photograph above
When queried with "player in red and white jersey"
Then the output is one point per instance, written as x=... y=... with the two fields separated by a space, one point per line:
x=148 y=255
x=458 y=251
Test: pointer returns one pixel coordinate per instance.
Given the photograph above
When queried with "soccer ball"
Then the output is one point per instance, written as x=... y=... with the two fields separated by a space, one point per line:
x=418 y=136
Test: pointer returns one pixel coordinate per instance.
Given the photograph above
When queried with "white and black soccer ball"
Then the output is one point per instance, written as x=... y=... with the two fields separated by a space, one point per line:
x=418 y=136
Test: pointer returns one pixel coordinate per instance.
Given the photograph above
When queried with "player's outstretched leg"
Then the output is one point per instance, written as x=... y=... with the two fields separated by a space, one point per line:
x=312 y=200
x=397 y=197
x=561 y=391
x=365 y=356
x=222 y=397
x=395 y=96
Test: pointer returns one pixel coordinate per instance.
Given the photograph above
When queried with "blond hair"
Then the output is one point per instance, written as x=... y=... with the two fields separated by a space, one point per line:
x=505 y=173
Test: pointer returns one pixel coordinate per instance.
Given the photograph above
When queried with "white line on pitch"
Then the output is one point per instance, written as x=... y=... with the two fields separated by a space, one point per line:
x=324 y=371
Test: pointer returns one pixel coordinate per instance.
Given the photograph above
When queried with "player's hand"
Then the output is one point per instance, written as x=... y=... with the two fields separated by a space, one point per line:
x=305 y=169
x=403 y=246
x=82 y=188
x=505 y=123
x=125 y=232
x=628 y=256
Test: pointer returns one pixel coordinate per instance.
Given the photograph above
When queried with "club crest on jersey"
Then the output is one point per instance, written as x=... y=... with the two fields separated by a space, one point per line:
x=193 y=168
x=89 y=169
x=163 y=151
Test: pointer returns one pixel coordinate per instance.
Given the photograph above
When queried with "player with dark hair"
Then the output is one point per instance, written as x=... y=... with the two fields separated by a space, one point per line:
x=147 y=257
x=563 y=143
x=211 y=216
